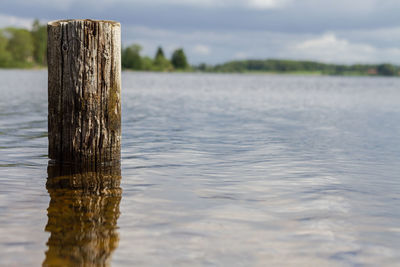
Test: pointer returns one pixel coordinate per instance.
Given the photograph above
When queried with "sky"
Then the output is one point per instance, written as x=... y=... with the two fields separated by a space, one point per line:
x=215 y=31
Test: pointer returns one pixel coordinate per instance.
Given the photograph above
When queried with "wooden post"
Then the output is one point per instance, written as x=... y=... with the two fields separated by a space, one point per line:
x=84 y=85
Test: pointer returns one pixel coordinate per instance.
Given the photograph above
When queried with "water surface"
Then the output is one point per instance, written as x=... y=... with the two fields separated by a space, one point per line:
x=226 y=170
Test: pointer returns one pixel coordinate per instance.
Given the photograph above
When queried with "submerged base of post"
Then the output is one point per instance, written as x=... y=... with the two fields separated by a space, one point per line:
x=84 y=85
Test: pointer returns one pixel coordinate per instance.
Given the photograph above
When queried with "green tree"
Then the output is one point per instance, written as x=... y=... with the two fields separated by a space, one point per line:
x=203 y=67
x=147 y=64
x=159 y=53
x=20 y=45
x=39 y=36
x=131 y=57
x=179 y=60
x=386 y=70
x=5 y=55
x=160 y=62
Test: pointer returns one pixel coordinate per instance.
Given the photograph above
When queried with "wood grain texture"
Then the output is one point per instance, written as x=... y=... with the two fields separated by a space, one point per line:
x=84 y=87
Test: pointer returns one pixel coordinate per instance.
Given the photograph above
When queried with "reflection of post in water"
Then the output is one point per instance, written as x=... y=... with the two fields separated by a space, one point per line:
x=82 y=215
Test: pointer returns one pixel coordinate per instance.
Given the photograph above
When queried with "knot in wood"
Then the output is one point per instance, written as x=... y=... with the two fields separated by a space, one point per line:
x=65 y=47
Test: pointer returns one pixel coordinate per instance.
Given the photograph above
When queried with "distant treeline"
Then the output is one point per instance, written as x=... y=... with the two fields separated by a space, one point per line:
x=292 y=66
x=22 y=48
x=131 y=59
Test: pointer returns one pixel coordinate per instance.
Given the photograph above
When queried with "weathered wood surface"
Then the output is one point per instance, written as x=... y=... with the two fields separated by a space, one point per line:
x=84 y=85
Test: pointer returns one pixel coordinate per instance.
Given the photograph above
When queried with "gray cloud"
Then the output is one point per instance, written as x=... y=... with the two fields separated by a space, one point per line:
x=215 y=31
x=301 y=15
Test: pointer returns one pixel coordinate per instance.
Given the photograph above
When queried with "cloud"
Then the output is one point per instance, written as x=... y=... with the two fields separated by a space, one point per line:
x=7 y=20
x=267 y=4
x=329 y=48
x=257 y=4
x=240 y=55
x=201 y=49
x=381 y=38
x=293 y=16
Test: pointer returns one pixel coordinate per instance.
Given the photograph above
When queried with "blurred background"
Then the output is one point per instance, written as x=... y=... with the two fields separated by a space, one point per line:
x=225 y=36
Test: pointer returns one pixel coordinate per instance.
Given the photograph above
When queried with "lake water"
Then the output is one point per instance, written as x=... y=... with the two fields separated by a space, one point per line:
x=220 y=170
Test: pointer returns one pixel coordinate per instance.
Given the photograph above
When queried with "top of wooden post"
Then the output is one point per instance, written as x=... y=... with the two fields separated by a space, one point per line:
x=58 y=22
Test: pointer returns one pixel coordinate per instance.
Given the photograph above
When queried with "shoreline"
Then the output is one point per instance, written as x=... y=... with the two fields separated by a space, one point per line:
x=293 y=73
